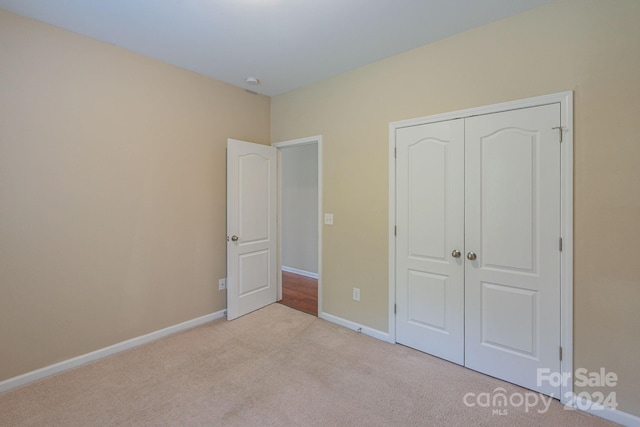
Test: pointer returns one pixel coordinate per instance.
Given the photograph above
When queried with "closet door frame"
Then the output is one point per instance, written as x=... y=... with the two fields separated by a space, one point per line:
x=565 y=99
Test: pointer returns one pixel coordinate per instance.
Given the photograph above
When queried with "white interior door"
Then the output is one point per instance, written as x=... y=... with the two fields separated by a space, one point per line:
x=251 y=227
x=512 y=229
x=430 y=238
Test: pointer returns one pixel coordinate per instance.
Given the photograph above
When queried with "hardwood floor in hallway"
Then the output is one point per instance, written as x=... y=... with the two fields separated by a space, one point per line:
x=300 y=292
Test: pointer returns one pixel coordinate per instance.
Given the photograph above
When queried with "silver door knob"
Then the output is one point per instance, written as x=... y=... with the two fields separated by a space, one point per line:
x=471 y=256
x=234 y=238
x=455 y=253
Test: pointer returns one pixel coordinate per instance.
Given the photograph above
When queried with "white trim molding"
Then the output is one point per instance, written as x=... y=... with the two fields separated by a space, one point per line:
x=383 y=336
x=300 y=141
x=65 y=365
x=605 y=412
x=566 y=228
x=565 y=99
x=300 y=272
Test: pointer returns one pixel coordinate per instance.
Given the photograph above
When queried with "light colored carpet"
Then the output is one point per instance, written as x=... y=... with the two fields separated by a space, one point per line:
x=274 y=367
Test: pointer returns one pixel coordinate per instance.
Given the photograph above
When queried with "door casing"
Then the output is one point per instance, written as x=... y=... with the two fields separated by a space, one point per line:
x=566 y=216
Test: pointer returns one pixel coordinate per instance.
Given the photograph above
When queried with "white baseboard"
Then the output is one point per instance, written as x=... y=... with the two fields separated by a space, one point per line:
x=624 y=418
x=300 y=272
x=383 y=336
x=65 y=365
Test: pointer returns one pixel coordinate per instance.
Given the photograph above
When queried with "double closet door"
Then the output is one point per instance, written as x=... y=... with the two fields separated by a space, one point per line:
x=478 y=233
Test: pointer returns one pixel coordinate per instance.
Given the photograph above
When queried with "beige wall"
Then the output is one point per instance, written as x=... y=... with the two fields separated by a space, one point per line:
x=299 y=203
x=589 y=46
x=112 y=192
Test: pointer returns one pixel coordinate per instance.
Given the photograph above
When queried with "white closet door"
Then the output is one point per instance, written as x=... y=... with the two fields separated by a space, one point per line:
x=512 y=225
x=430 y=227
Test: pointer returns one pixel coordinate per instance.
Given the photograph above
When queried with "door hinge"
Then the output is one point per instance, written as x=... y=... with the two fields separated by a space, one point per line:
x=395 y=152
x=395 y=308
x=561 y=353
x=560 y=130
x=560 y=244
x=395 y=230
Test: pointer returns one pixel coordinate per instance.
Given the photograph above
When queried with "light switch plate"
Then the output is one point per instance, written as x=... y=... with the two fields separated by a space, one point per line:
x=328 y=219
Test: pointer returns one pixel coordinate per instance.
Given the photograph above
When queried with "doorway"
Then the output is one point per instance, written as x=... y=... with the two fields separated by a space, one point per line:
x=299 y=228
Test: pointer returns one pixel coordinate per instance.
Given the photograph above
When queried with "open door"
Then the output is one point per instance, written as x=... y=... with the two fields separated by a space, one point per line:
x=252 y=275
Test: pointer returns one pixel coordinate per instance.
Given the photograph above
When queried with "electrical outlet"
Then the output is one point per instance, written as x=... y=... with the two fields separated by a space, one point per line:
x=328 y=219
x=356 y=294
x=222 y=284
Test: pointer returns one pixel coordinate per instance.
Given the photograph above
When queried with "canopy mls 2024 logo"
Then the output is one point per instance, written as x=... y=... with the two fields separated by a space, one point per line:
x=500 y=401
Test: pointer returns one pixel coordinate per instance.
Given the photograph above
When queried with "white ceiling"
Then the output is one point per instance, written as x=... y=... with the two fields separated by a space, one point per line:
x=285 y=43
